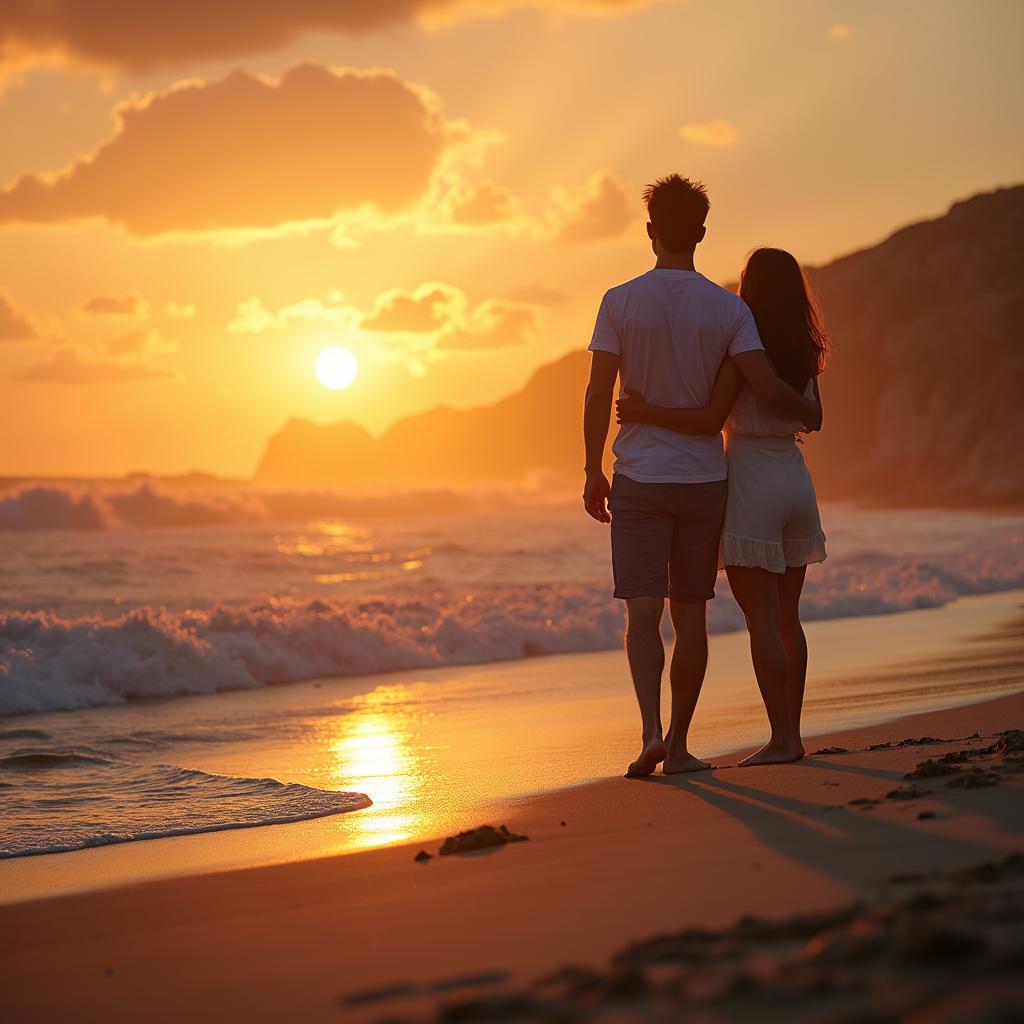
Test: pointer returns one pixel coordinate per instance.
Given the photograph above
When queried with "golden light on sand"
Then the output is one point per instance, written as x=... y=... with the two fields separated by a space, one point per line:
x=336 y=367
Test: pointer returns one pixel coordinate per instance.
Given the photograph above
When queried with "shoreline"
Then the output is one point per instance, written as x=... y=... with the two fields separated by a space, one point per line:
x=817 y=744
x=768 y=841
x=982 y=639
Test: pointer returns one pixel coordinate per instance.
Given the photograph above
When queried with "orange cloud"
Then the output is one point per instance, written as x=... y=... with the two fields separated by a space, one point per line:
x=140 y=343
x=598 y=209
x=116 y=305
x=16 y=321
x=538 y=295
x=711 y=133
x=493 y=324
x=441 y=315
x=840 y=31
x=414 y=327
x=459 y=205
x=137 y=36
x=253 y=317
x=180 y=310
x=426 y=309
x=68 y=366
x=481 y=203
x=250 y=152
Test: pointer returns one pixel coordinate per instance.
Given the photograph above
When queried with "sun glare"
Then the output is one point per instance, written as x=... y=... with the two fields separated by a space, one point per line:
x=336 y=367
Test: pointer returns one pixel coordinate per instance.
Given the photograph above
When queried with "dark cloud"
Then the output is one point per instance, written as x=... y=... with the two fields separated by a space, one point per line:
x=137 y=35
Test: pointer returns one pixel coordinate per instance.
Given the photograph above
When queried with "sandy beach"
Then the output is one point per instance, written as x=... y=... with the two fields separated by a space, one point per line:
x=381 y=935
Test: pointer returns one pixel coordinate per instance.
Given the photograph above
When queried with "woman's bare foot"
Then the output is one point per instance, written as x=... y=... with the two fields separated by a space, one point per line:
x=775 y=753
x=650 y=757
x=675 y=764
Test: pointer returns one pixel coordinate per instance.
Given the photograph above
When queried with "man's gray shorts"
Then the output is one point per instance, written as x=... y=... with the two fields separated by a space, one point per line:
x=665 y=538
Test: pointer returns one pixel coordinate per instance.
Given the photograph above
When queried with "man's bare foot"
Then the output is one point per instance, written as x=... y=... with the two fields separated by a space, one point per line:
x=774 y=753
x=650 y=757
x=675 y=764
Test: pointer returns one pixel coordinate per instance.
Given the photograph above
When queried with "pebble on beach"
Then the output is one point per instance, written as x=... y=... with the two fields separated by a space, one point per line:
x=482 y=838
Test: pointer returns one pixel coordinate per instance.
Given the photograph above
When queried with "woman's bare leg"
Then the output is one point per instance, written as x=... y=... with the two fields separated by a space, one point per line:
x=757 y=592
x=790 y=585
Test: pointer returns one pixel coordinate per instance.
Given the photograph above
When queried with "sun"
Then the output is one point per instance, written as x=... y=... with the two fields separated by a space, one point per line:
x=336 y=367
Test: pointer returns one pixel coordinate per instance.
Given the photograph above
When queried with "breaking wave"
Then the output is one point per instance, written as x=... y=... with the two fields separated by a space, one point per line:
x=94 y=507
x=49 y=662
x=109 y=506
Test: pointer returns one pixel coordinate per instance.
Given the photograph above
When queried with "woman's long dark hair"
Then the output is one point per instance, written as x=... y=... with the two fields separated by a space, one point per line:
x=787 y=317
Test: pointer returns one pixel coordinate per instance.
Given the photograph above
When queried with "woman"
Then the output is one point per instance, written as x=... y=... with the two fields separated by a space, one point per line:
x=772 y=527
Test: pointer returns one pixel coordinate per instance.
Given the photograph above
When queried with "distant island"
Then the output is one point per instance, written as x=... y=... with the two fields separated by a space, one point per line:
x=923 y=397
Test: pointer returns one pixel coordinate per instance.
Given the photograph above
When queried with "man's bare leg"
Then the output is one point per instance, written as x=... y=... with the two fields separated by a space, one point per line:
x=645 y=651
x=689 y=663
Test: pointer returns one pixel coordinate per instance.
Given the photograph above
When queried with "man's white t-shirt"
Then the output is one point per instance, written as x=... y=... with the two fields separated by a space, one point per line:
x=671 y=329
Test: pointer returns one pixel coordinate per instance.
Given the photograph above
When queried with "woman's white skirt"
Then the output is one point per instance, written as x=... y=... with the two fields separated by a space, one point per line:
x=771 y=518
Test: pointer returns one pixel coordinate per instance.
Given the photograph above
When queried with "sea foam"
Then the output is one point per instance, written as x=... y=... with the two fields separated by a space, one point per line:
x=50 y=662
x=104 y=800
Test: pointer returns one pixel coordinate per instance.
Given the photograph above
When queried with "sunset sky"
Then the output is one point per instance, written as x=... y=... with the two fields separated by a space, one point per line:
x=194 y=205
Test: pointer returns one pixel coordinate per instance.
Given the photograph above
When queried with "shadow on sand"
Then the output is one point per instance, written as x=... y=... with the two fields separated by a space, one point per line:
x=821 y=836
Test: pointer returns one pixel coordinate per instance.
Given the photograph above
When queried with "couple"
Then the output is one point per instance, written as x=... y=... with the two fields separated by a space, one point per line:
x=692 y=358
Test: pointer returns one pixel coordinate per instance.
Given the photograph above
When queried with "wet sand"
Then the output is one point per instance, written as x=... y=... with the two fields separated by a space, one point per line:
x=381 y=935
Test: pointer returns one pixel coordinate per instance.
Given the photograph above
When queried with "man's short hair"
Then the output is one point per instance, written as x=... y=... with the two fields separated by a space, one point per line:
x=677 y=207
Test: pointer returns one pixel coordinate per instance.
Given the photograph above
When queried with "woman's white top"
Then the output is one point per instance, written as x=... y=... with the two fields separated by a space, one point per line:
x=751 y=417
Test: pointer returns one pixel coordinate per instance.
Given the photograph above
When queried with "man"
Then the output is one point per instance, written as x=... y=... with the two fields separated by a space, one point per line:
x=665 y=335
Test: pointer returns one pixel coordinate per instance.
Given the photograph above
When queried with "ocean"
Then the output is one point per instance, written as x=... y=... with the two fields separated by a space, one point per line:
x=141 y=600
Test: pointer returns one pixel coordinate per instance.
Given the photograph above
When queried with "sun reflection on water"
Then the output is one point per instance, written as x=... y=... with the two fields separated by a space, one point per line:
x=325 y=537
x=341 y=552
x=375 y=754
